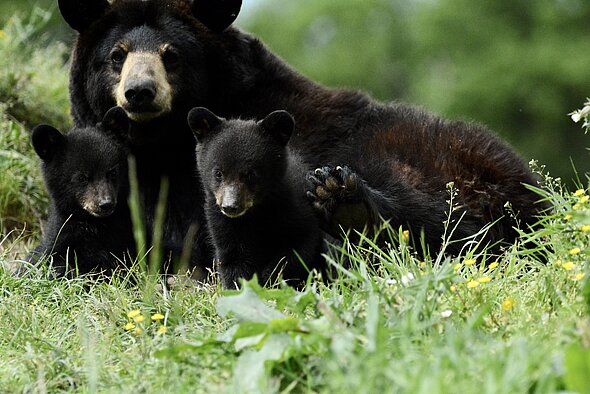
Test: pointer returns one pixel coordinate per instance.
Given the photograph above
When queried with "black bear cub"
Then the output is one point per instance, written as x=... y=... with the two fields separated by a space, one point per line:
x=257 y=212
x=85 y=172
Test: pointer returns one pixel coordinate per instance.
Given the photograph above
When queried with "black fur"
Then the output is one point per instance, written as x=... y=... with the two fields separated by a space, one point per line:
x=257 y=213
x=85 y=171
x=400 y=157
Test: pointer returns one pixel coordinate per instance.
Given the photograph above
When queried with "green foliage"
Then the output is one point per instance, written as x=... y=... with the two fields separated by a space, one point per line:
x=33 y=74
x=23 y=199
x=517 y=66
x=33 y=89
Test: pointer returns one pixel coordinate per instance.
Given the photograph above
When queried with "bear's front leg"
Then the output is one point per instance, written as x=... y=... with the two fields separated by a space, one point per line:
x=343 y=199
x=232 y=269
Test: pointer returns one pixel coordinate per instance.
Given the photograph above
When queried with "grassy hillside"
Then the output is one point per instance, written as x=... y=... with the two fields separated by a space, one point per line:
x=393 y=324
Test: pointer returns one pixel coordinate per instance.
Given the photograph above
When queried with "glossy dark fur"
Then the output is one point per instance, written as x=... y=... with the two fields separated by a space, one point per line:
x=89 y=226
x=399 y=156
x=257 y=212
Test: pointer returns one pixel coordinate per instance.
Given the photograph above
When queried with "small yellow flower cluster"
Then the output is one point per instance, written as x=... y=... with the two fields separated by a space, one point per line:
x=583 y=198
x=571 y=266
x=508 y=304
x=579 y=192
x=136 y=318
x=475 y=282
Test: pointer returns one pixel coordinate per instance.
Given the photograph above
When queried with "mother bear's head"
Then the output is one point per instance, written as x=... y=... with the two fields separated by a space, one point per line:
x=153 y=58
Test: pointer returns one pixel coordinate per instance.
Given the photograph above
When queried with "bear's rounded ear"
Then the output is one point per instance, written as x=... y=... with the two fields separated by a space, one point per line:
x=202 y=121
x=116 y=123
x=80 y=14
x=46 y=140
x=217 y=15
x=279 y=124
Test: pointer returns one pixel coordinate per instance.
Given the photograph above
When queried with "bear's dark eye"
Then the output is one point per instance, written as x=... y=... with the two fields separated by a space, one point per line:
x=170 y=58
x=252 y=177
x=218 y=175
x=118 y=56
x=81 y=178
x=113 y=173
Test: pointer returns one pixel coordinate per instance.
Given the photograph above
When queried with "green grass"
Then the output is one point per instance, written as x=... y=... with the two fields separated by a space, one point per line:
x=391 y=324
x=376 y=329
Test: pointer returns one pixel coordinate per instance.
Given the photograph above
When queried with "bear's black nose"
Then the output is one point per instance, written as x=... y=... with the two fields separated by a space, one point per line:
x=230 y=209
x=106 y=206
x=140 y=93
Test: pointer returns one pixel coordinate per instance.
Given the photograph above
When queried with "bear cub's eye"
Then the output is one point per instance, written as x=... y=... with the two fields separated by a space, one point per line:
x=81 y=178
x=252 y=177
x=218 y=175
x=113 y=173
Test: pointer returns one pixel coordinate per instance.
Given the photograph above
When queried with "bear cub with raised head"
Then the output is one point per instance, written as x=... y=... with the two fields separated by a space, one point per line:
x=85 y=172
x=257 y=212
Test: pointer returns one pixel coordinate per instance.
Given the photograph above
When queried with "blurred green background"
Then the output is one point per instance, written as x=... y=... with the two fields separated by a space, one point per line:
x=519 y=66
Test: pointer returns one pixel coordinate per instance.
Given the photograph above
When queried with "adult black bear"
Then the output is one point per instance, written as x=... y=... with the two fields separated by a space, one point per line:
x=85 y=171
x=158 y=59
x=257 y=212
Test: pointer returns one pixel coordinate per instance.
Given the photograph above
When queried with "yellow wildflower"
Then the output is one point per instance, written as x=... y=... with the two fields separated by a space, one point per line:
x=558 y=263
x=507 y=304
x=579 y=192
x=575 y=251
x=457 y=266
x=129 y=326
x=585 y=228
x=584 y=199
x=494 y=265
x=576 y=207
x=406 y=235
x=133 y=313
x=568 y=266
x=472 y=284
x=453 y=288
x=157 y=316
x=470 y=261
x=137 y=331
x=568 y=216
x=139 y=319
x=162 y=330
x=484 y=279
x=579 y=276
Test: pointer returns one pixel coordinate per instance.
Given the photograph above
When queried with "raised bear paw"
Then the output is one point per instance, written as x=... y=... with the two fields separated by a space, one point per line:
x=330 y=186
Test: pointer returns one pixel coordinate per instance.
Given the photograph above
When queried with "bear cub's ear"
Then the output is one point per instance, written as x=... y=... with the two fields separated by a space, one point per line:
x=280 y=125
x=46 y=141
x=202 y=121
x=116 y=123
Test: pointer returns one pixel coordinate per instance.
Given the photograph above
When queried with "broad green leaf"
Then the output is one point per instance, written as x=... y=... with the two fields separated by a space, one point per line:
x=283 y=325
x=577 y=368
x=246 y=306
x=251 y=341
x=250 y=373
